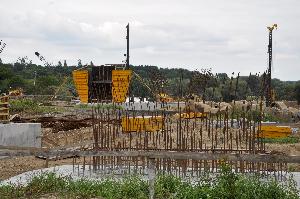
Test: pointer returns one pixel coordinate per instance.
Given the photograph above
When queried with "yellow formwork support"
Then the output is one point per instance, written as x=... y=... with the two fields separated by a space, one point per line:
x=80 y=78
x=120 y=85
x=269 y=131
x=142 y=124
x=4 y=109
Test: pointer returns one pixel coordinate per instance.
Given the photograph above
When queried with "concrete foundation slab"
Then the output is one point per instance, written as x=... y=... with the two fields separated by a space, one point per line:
x=21 y=134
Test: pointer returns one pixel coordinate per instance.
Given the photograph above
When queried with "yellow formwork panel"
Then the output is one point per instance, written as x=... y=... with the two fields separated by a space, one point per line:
x=80 y=78
x=120 y=85
x=268 y=131
x=142 y=124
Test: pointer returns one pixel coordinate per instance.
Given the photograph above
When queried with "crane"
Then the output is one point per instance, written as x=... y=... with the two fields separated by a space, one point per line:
x=2 y=46
x=72 y=91
x=269 y=73
x=162 y=97
x=42 y=59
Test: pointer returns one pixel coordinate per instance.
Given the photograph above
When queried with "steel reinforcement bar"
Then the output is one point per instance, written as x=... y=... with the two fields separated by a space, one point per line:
x=267 y=158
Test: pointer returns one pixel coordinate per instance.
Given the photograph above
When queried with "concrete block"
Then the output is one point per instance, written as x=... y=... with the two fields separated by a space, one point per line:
x=21 y=134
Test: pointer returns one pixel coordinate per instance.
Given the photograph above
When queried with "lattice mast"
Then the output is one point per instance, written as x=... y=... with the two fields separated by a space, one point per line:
x=269 y=74
x=127 y=53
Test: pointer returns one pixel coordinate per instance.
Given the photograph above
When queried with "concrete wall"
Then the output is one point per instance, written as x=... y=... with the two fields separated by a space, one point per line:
x=20 y=134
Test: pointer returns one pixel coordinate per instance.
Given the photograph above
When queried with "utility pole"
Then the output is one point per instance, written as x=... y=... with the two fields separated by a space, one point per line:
x=127 y=54
x=269 y=75
x=236 y=86
x=34 y=78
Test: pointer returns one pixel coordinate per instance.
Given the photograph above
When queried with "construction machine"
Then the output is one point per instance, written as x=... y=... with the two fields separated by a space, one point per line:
x=269 y=71
x=18 y=92
x=272 y=130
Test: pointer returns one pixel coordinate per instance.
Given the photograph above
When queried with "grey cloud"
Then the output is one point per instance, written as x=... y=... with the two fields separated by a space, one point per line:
x=229 y=36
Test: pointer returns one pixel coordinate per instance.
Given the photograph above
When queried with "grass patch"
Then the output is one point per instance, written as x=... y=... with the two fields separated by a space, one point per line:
x=31 y=106
x=273 y=118
x=286 y=140
x=226 y=185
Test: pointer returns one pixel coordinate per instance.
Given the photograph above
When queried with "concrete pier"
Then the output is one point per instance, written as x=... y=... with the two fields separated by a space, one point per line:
x=20 y=134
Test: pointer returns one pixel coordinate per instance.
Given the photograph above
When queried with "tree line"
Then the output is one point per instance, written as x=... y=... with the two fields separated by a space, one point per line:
x=176 y=82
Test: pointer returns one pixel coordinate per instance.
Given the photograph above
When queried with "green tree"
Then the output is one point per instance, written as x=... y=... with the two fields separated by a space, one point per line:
x=18 y=67
x=5 y=72
x=297 y=92
x=16 y=82
x=253 y=82
x=79 y=63
x=46 y=84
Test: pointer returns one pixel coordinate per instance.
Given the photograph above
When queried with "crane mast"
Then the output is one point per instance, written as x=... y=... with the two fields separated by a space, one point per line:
x=127 y=52
x=42 y=59
x=269 y=74
x=2 y=46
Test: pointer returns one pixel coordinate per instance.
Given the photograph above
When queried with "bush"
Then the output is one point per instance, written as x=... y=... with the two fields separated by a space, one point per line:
x=31 y=106
x=23 y=105
x=225 y=185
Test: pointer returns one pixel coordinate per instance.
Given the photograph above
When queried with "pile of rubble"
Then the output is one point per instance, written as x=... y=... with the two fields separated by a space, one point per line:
x=279 y=109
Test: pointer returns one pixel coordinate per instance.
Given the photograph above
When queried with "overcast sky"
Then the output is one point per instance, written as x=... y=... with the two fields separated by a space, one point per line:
x=227 y=35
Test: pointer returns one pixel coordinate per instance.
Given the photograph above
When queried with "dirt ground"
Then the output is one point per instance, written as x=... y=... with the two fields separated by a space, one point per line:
x=53 y=138
x=18 y=165
x=14 y=166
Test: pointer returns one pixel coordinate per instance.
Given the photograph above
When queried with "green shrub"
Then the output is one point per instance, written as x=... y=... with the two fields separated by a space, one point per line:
x=31 y=106
x=23 y=105
x=225 y=185
x=273 y=118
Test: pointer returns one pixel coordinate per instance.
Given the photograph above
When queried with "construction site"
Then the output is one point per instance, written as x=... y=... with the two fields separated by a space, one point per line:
x=107 y=131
